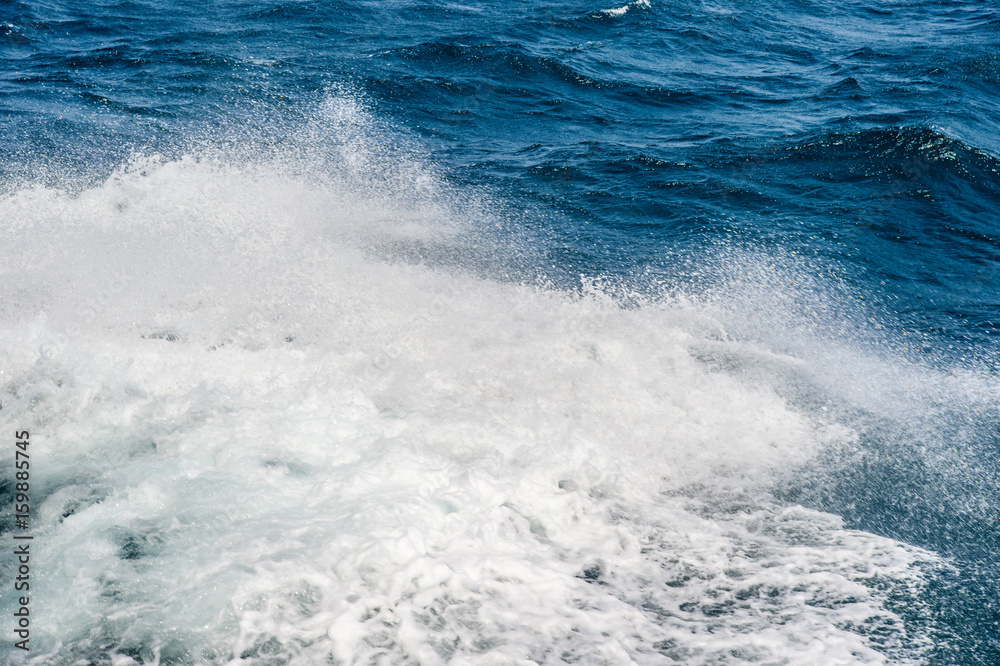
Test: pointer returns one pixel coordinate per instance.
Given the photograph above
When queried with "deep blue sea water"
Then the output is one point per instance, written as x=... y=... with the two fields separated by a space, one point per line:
x=428 y=332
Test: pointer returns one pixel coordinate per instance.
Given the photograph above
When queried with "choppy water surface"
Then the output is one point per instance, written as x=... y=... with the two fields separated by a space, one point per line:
x=427 y=333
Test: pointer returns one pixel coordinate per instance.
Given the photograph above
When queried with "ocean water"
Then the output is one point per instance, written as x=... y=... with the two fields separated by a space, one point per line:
x=422 y=332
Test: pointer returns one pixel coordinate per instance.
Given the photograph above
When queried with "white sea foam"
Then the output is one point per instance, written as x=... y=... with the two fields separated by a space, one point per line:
x=259 y=437
x=620 y=11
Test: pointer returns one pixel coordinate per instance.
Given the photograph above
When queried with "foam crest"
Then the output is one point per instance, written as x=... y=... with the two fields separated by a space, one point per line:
x=266 y=439
x=620 y=11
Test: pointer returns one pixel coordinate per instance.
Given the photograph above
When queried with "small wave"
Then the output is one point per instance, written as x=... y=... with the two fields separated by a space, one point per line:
x=620 y=11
